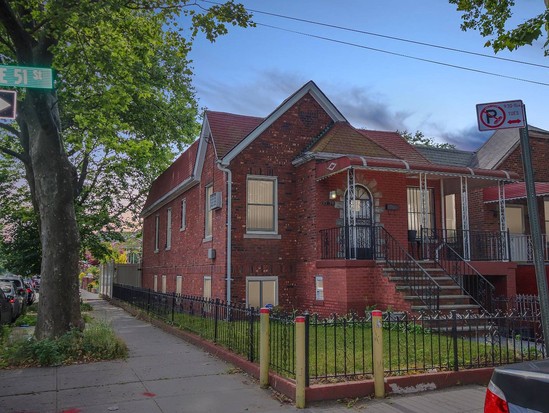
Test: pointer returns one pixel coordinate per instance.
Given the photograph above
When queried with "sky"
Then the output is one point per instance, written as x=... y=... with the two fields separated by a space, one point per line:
x=251 y=71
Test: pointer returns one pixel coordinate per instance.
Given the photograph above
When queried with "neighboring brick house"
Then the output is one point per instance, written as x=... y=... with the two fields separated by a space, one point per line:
x=305 y=211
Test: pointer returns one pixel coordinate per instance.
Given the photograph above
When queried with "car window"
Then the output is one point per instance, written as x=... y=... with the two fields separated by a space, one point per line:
x=6 y=289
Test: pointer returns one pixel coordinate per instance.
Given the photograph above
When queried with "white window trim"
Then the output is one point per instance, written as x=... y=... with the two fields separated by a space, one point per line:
x=169 y=229
x=156 y=233
x=319 y=290
x=183 y=224
x=263 y=278
x=164 y=284
x=155 y=283
x=206 y=278
x=250 y=232
x=178 y=284
x=208 y=211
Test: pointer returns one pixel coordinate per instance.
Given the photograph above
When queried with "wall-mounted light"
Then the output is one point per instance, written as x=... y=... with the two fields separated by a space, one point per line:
x=333 y=195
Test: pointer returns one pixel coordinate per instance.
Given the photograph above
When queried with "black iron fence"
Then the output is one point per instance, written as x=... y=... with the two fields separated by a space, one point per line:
x=340 y=347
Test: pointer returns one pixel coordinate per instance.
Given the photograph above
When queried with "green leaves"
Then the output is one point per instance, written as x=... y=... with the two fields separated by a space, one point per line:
x=490 y=18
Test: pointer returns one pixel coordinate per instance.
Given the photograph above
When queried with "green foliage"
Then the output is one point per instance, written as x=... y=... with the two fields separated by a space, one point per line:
x=490 y=18
x=28 y=319
x=97 y=342
x=124 y=96
x=420 y=139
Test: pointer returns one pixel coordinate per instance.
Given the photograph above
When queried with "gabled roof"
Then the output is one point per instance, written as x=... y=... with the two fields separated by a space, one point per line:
x=309 y=88
x=444 y=156
x=396 y=144
x=228 y=129
x=343 y=138
x=502 y=142
x=179 y=177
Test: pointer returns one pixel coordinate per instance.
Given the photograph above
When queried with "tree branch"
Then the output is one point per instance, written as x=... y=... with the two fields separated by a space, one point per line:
x=21 y=156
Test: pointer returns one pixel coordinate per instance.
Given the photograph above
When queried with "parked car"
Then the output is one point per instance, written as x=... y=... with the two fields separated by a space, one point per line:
x=20 y=288
x=521 y=387
x=16 y=300
x=6 y=310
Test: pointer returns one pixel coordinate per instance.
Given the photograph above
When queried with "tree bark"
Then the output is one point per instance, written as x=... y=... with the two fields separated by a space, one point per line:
x=59 y=304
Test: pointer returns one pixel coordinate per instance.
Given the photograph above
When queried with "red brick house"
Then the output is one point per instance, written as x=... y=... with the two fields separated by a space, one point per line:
x=302 y=210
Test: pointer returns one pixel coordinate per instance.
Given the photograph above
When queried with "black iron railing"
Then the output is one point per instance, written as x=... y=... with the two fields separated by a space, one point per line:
x=340 y=347
x=395 y=256
x=472 y=245
x=348 y=242
x=471 y=282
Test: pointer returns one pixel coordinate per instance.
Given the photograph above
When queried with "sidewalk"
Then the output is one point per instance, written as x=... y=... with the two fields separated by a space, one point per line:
x=166 y=374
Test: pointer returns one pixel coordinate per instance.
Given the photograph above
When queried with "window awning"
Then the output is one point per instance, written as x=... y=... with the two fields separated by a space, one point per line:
x=514 y=191
x=337 y=165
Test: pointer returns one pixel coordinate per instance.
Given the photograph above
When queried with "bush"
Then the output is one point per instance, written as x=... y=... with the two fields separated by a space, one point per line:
x=97 y=342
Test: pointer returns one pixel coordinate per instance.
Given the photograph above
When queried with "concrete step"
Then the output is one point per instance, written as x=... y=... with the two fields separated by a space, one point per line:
x=441 y=297
x=447 y=307
x=443 y=288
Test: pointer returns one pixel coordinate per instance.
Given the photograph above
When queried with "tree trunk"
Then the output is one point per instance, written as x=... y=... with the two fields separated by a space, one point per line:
x=59 y=303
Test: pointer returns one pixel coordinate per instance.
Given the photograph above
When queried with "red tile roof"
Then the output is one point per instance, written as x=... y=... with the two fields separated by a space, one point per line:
x=229 y=129
x=396 y=144
x=181 y=169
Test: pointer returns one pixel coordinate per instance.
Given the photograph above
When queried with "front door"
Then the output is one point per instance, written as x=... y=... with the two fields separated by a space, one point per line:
x=358 y=224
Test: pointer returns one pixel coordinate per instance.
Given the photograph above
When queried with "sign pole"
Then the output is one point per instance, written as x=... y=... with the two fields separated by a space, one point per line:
x=539 y=263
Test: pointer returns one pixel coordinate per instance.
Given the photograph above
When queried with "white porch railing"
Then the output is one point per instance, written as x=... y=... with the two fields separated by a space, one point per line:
x=522 y=248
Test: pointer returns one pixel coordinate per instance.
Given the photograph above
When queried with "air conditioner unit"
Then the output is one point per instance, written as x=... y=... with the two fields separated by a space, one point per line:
x=215 y=201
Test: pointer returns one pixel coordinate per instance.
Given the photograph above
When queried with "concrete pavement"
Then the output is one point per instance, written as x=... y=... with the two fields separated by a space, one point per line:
x=165 y=374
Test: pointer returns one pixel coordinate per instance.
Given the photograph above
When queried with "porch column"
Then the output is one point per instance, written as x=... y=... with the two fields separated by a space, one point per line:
x=351 y=213
x=503 y=222
x=465 y=219
x=424 y=201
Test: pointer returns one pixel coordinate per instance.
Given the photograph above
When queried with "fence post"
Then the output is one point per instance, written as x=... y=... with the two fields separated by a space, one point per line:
x=264 y=350
x=149 y=301
x=307 y=319
x=216 y=316
x=300 y=362
x=455 y=339
x=377 y=331
x=173 y=307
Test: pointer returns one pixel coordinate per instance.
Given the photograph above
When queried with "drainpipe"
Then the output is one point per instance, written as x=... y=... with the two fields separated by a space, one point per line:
x=223 y=168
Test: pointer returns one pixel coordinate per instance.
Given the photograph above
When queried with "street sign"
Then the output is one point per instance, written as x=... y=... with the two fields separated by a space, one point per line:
x=501 y=115
x=8 y=104
x=31 y=77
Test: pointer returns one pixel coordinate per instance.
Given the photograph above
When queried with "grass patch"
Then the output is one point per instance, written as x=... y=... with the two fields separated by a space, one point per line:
x=85 y=306
x=28 y=319
x=97 y=342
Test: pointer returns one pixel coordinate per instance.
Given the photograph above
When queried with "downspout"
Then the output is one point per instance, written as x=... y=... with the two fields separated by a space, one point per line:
x=223 y=168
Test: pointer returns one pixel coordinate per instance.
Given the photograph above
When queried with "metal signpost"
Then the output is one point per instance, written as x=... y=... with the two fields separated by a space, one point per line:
x=512 y=114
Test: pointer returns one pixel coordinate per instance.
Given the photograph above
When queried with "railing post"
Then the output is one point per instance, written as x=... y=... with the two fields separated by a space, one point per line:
x=300 y=362
x=264 y=350
x=377 y=350
x=455 y=339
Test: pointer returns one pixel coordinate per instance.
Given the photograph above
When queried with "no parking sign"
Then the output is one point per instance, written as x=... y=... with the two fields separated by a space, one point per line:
x=501 y=115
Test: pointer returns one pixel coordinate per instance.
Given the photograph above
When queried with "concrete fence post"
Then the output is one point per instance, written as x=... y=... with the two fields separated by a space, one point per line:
x=264 y=347
x=300 y=364
x=377 y=332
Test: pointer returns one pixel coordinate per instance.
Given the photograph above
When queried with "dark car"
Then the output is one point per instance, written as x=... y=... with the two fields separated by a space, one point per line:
x=19 y=285
x=6 y=311
x=16 y=300
x=521 y=387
